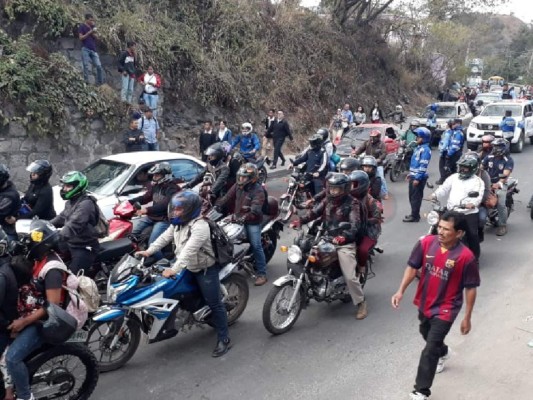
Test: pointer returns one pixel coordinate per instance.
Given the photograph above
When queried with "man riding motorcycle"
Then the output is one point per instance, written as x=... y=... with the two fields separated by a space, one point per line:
x=247 y=142
x=376 y=147
x=39 y=196
x=370 y=166
x=499 y=165
x=409 y=136
x=486 y=146
x=316 y=160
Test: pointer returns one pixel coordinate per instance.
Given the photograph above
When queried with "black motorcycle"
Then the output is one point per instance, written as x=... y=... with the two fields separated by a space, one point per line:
x=512 y=189
x=298 y=193
x=433 y=217
x=401 y=163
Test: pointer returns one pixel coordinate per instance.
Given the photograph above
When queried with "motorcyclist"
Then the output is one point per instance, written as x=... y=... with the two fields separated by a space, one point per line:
x=194 y=251
x=316 y=160
x=508 y=123
x=444 y=145
x=370 y=166
x=9 y=203
x=339 y=207
x=397 y=115
x=247 y=142
x=245 y=201
x=457 y=187
x=483 y=213
x=499 y=165
x=39 y=196
x=409 y=136
x=79 y=218
x=486 y=146
x=375 y=147
x=161 y=191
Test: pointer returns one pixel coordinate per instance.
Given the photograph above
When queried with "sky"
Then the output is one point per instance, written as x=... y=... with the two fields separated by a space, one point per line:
x=522 y=9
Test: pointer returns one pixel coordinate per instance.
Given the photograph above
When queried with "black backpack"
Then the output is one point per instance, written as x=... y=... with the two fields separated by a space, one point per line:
x=222 y=246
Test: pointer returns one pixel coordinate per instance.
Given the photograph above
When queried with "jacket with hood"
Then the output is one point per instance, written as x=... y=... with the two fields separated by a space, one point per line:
x=9 y=206
x=420 y=162
x=247 y=201
x=40 y=198
x=159 y=194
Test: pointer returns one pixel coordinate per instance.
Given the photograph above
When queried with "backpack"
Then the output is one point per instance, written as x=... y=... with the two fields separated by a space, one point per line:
x=222 y=245
x=142 y=122
x=102 y=224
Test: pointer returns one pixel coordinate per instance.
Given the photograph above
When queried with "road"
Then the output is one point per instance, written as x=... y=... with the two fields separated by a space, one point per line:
x=330 y=355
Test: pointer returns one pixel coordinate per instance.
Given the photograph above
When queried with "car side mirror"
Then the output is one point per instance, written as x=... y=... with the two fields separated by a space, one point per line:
x=133 y=189
x=473 y=194
x=529 y=114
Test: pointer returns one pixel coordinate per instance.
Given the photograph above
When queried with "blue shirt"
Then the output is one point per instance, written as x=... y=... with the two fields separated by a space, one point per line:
x=496 y=165
x=457 y=140
x=348 y=115
x=508 y=124
x=149 y=128
x=247 y=144
x=420 y=162
x=445 y=142
x=89 y=42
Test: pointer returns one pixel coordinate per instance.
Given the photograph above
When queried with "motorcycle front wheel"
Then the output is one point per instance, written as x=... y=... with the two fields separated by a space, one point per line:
x=277 y=319
x=68 y=371
x=396 y=172
x=237 y=297
x=101 y=335
x=263 y=175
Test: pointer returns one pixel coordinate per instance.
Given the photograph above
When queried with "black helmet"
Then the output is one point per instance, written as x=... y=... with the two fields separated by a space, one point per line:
x=449 y=123
x=59 y=326
x=246 y=174
x=162 y=168
x=499 y=146
x=360 y=184
x=43 y=168
x=467 y=166
x=215 y=153
x=338 y=181
x=348 y=165
x=316 y=141
x=4 y=243
x=4 y=174
x=324 y=133
x=43 y=237
x=189 y=202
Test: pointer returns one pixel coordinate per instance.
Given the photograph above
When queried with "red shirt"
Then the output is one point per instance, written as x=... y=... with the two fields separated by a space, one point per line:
x=444 y=276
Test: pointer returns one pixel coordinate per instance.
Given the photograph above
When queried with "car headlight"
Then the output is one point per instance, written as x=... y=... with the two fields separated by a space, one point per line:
x=443 y=126
x=472 y=125
x=294 y=254
x=114 y=291
x=433 y=218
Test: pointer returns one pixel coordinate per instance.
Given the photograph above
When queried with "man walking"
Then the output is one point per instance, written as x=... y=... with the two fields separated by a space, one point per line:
x=87 y=35
x=267 y=138
x=150 y=127
x=279 y=130
x=127 y=65
x=447 y=267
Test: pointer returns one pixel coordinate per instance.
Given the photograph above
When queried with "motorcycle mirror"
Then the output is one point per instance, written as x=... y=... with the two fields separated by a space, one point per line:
x=345 y=226
x=137 y=205
x=473 y=194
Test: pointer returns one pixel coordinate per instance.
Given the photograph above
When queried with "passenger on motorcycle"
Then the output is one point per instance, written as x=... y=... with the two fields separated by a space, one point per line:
x=409 y=136
x=444 y=145
x=457 y=187
x=245 y=201
x=194 y=251
x=162 y=189
x=370 y=166
x=39 y=196
x=316 y=162
x=339 y=207
x=79 y=237
x=375 y=147
x=397 y=115
x=486 y=146
x=499 y=165
x=247 y=142
x=9 y=203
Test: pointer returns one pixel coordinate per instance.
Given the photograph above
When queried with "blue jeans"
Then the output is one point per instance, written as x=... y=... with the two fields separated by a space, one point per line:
x=158 y=228
x=501 y=207
x=254 y=236
x=88 y=57
x=151 y=101
x=153 y=146
x=126 y=93
x=24 y=344
x=210 y=287
x=381 y=174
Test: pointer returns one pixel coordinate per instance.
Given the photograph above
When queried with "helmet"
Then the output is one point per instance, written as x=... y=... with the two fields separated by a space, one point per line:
x=43 y=237
x=360 y=184
x=375 y=132
x=247 y=128
x=162 y=168
x=43 y=168
x=348 y=165
x=190 y=205
x=4 y=174
x=487 y=139
x=226 y=147
x=246 y=174
x=499 y=146
x=423 y=133
x=458 y=121
x=59 y=326
x=449 y=123
x=415 y=122
x=324 y=133
x=337 y=185
x=370 y=161
x=79 y=184
x=399 y=108
x=467 y=166
x=316 y=141
x=215 y=153
x=4 y=243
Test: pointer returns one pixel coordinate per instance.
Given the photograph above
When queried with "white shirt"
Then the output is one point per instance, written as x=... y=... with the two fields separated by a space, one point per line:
x=221 y=133
x=149 y=79
x=458 y=190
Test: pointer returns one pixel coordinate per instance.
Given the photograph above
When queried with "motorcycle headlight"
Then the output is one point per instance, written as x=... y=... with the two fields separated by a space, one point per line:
x=114 y=290
x=472 y=125
x=401 y=150
x=433 y=218
x=294 y=254
x=292 y=182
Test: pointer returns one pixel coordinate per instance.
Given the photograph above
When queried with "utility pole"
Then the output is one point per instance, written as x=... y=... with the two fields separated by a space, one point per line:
x=530 y=63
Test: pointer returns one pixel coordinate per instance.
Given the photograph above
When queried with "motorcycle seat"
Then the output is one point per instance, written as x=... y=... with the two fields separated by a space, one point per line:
x=114 y=249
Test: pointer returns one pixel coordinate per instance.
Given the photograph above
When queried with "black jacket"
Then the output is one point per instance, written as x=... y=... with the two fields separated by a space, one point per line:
x=160 y=195
x=138 y=144
x=246 y=203
x=9 y=206
x=316 y=161
x=206 y=140
x=127 y=63
x=8 y=294
x=221 y=175
x=40 y=198
x=279 y=130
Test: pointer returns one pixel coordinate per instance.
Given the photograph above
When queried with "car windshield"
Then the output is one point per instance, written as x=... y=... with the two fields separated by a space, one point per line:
x=488 y=97
x=106 y=176
x=498 y=110
x=360 y=133
x=442 y=112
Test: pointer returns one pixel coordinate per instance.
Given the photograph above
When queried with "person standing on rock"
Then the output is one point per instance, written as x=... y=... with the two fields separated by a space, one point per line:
x=134 y=138
x=88 y=37
x=279 y=129
x=267 y=138
x=224 y=134
x=152 y=85
x=207 y=138
x=127 y=66
x=150 y=128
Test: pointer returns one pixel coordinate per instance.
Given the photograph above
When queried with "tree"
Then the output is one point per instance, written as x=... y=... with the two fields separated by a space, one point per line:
x=360 y=11
x=445 y=9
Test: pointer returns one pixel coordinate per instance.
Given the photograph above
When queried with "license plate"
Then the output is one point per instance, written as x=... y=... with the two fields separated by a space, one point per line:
x=79 y=337
x=490 y=133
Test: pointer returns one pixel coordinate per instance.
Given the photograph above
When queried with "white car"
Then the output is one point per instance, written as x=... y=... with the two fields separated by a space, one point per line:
x=488 y=123
x=112 y=179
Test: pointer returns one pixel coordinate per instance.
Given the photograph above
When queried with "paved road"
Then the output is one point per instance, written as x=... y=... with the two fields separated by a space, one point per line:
x=329 y=354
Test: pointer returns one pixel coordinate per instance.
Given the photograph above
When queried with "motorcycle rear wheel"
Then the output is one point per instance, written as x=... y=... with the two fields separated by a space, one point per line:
x=275 y=305
x=263 y=175
x=396 y=172
x=238 y=295
x=55 y=367
x=269 y=241
x=102 y=334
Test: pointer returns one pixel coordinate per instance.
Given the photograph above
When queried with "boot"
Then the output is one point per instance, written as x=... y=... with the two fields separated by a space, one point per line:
x=362 y=312
x=502 y=230
x=260 y=280
x=222 y=348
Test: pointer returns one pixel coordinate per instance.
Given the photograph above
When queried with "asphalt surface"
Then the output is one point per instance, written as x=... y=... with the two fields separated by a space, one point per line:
x=329 y=354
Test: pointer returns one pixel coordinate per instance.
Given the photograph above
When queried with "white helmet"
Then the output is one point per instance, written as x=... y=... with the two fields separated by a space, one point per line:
x=399 y=108
x=247 y=128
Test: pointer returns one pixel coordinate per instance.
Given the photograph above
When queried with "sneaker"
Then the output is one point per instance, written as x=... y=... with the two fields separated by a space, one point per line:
x=440 y=365
x=501 y=231
x=362 y=311
x=418 y=396
x=272 y=167
x=386 y=197
x=283 y=163
x=410 y=218
x=260 y=280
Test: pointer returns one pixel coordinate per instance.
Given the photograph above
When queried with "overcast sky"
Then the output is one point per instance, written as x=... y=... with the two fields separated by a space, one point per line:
x=522 y=9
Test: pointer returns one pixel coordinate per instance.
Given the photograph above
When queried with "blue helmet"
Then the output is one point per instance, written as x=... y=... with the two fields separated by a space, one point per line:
x=189 y=204
x=434 y=107
x=424 y=133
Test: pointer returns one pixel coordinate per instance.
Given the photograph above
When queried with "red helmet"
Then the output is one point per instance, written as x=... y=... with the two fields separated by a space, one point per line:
x=375 y=132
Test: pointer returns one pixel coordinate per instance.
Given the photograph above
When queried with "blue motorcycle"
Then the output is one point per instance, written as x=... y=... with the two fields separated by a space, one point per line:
x=140 y=299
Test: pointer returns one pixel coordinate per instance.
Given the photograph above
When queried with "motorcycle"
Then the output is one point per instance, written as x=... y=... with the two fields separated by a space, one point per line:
x=314 y=273
x=298 y=192
x=259 y=162
x=141 y=300
x=433 y=217
x=512 y=189
x=401 y=163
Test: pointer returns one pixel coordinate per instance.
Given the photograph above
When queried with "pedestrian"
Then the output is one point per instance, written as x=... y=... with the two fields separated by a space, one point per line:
x=455 y=147
x=133 y=138
x=347 y=117
x=418 y=175
x=335 y=126
x=87 y=35
x=267 y=137
x=151 y=130
x=152 y=85
x=359 y=116
x=376 y=115
x=397 y=115
x=444 y=144
x=127 y=66
x=279 y=130
x=207 y=138
x=224 y=134
x=447 y=268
